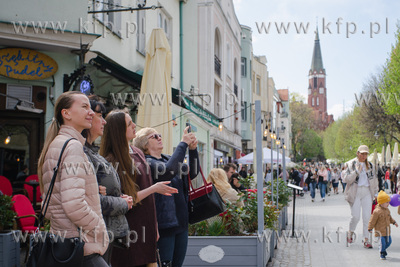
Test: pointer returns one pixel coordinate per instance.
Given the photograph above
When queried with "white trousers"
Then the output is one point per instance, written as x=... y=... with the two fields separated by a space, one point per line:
x=363 y=201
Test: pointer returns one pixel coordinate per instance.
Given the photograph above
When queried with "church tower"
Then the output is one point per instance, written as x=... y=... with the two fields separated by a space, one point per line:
x=317 y=98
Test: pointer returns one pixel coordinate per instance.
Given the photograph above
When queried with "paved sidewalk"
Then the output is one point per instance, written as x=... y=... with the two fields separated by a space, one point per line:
x=321 y=228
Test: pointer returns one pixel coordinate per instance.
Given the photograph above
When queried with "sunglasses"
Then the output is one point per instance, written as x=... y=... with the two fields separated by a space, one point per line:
x=155 y=136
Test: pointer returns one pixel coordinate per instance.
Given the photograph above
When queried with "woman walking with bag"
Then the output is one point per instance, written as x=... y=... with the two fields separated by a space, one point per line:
x=133 y=169
x=74 y=205
x=362 y=185
x=172 y=213
x=114 y=205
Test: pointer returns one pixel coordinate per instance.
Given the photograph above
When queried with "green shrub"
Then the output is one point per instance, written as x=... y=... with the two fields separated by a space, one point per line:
x=7 y=216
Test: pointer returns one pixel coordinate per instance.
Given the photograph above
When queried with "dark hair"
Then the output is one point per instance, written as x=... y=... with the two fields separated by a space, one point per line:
x=114 y=148
x=97 y=107
x=228 y=166
x=235 y=175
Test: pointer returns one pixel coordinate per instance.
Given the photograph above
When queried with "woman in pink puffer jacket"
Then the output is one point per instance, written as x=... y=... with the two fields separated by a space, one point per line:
x=75 y=202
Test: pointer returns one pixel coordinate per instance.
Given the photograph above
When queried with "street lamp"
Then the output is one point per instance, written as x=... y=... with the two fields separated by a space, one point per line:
x=376 y=135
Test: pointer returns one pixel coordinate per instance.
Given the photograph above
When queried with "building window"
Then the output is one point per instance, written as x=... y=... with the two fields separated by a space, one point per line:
x=244 y=110
x=22 y=92
x=243 y=67
x=309 y=91
x=258 y=90
x=312 y=101
x=111 y=20
x=228 y=60
x=315 y=82
x=141 y=32
x=321 y=90
x=164 y=22
x=317 y=101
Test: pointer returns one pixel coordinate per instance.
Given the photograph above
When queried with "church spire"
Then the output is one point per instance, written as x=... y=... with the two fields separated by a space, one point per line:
x=316 y=64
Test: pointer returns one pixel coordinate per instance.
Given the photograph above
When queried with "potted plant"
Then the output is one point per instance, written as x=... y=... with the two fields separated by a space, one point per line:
x=231 y=238
x=9 y=243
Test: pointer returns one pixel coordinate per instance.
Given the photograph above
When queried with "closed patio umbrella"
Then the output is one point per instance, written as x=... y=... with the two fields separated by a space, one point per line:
x=388 y=155
x=375 y=158
x=156 y=85
x=395 y=159
x=382 y=160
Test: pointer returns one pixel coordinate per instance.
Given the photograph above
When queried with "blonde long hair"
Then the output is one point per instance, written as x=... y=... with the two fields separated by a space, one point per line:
x=64 y=101
x=219 y=179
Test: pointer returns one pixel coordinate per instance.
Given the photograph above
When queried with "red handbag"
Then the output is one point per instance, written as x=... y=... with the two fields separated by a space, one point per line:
x=204 y=202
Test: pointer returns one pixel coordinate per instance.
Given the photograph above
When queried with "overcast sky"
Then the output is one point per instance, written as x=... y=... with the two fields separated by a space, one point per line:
x=349 y=53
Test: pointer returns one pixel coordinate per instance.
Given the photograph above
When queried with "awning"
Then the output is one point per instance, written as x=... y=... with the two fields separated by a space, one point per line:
x=182 y=100
x=114 y=69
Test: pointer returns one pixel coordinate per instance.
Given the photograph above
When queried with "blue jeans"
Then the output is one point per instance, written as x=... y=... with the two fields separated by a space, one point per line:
x=312 y=189
x=173 y=247
x=386 y=241
x=322 y=189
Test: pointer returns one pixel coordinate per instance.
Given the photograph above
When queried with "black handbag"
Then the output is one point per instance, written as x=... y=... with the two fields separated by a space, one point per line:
x=204 y=202
x=51 y=250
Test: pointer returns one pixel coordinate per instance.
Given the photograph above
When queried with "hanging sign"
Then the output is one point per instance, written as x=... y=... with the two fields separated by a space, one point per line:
x=26 y=64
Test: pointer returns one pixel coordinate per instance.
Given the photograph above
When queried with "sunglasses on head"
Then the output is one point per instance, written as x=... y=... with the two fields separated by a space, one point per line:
x=155 y=136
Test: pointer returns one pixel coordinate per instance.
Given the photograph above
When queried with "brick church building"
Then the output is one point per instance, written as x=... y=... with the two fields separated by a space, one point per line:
x=317 y=88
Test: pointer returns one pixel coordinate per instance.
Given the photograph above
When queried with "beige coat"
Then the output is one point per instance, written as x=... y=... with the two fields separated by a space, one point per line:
x=75 y=199
x=350 y=175
x=232 y=196
x=380 y=221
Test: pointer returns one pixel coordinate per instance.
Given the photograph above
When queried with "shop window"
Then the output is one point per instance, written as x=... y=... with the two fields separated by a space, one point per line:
x=22 y=92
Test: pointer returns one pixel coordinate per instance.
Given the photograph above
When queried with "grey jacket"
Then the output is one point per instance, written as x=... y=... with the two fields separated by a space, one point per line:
x=113 y=206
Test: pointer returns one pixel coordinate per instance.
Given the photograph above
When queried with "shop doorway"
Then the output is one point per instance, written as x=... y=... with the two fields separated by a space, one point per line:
x=21 y=140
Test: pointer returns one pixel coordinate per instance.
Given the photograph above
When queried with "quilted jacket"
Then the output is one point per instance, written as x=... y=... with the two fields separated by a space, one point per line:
x=380 y=221
x=75 y=201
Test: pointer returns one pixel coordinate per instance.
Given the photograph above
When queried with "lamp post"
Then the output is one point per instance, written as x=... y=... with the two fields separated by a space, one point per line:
x=278 y=141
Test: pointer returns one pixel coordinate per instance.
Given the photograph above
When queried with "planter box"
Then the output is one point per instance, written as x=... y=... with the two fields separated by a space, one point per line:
x=229 y=250
x=9 y=249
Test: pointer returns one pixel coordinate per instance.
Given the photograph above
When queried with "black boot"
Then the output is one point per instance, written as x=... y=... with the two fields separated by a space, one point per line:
x=166 y=263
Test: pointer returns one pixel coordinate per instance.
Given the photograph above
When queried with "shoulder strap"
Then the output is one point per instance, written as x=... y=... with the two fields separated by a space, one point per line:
x=50 y=190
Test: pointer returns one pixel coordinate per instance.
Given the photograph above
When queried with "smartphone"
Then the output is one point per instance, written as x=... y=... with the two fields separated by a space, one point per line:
x=190 y=127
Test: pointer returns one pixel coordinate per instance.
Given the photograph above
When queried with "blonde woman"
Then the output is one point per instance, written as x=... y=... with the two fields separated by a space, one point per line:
x=322 y=180
x=172 y=212
x=75 y=201
x=220 y=180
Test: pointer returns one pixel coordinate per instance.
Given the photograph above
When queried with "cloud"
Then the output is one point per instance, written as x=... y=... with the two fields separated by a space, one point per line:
x=337 y=110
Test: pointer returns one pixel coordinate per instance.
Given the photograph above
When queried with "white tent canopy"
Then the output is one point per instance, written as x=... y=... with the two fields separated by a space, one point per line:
x=248 y=159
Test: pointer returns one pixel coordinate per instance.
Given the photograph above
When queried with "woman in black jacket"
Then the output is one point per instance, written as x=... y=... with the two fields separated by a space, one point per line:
x=172 y=212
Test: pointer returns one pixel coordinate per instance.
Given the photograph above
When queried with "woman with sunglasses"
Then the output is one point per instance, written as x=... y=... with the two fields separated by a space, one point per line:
x=172 y=213
x=136 y=182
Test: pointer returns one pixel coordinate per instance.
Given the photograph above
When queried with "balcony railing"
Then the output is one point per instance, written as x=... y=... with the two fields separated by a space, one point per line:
x=217 y=65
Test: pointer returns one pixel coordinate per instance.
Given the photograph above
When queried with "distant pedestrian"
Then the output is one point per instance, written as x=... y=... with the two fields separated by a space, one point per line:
x=243 y=172
x=344 y=168
x=362 y=185
x=322 y=180
x=312 y=184
x=380 y=221
x=335 y=180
